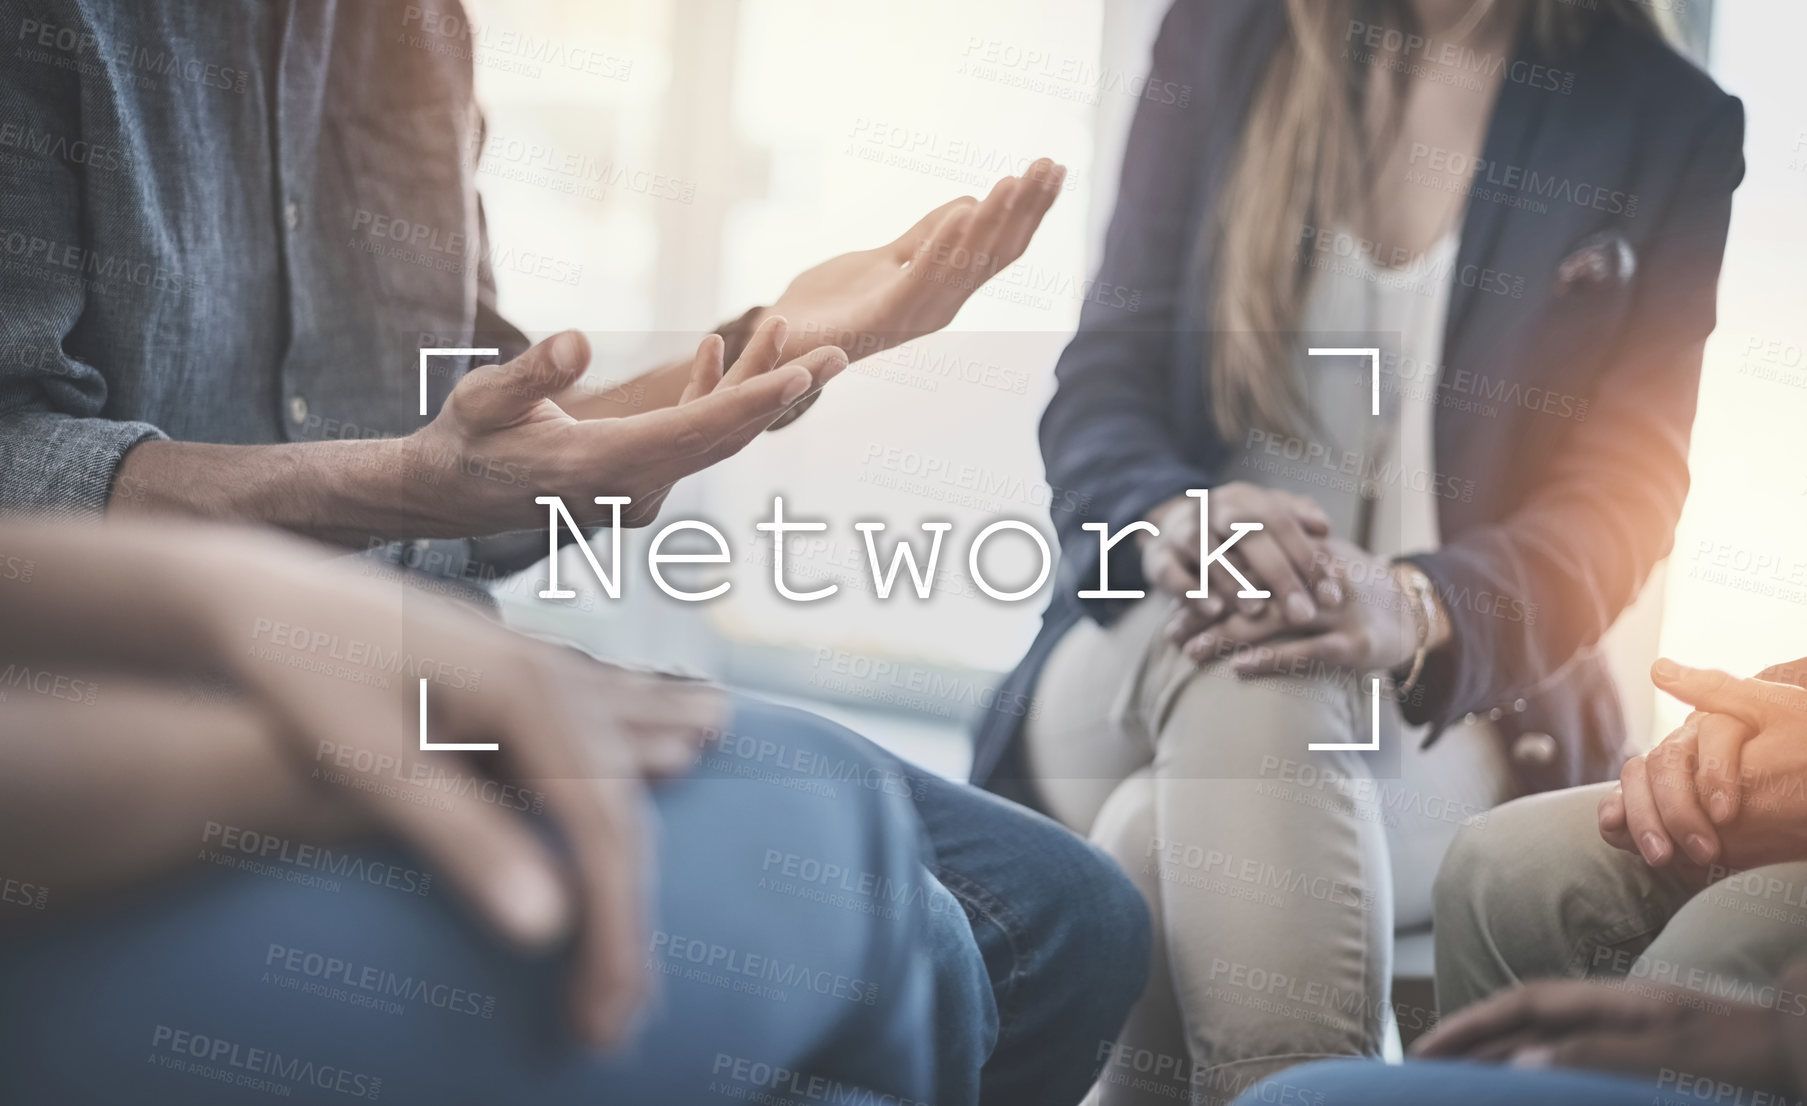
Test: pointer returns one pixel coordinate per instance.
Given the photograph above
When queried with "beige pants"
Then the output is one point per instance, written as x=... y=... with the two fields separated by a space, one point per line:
x=1265 y=864
x=1533 y=892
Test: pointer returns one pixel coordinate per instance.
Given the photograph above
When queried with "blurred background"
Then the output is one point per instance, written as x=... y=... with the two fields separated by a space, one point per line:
x=686 y=158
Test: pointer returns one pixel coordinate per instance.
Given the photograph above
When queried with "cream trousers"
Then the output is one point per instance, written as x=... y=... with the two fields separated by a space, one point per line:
x=1267 y=866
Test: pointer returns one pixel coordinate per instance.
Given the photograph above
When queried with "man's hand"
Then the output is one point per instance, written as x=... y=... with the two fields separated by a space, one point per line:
x=500 y=440
x=871 y=300
x=1729 y=786
x=335 y=661
x=1614 y=1028
x=323 y=662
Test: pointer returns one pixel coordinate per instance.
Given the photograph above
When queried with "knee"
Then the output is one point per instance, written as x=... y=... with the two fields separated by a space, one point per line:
x=1745 y=927
x=1468 y=886
x=1248 y=728
x=1503 y=873
x=1100 y=938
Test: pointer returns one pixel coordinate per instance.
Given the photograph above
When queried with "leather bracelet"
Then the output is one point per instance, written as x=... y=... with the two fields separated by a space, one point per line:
x=735 y=336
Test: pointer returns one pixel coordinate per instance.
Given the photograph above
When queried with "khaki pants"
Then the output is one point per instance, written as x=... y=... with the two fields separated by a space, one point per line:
x=1533 y=892
x=1265 y=864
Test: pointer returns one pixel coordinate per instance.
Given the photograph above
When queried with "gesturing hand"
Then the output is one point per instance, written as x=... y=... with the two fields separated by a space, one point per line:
x=502 y=440
x=335 y=660
x=1728 y=786
x=871 y=300
x=1605 y=1027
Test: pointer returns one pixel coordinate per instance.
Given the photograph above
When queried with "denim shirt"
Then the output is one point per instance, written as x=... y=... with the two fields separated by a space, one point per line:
x=235 y=222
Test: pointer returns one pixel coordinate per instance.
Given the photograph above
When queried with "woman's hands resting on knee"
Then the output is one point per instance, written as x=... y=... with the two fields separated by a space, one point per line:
x=1370 y=629
x=1286 y=557
x=1728 y=787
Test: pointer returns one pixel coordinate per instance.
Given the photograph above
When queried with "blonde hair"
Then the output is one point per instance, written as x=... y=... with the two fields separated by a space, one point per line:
x=1305 y=160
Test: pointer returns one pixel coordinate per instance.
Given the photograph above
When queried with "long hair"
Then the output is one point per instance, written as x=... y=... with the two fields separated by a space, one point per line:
x=1305 y=160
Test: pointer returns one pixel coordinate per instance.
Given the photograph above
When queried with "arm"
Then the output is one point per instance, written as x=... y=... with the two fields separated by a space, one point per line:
x=57 y=453
x=1108 y=438
x=327 y=659
x=1582 y=544
x=104 y=794
x=497 y=443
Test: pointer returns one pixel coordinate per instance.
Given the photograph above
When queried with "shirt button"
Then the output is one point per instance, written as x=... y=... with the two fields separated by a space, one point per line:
x=1534 y=750
x=1519 y=705
x=1495 y=714
x=298 y=408
x=291 y=214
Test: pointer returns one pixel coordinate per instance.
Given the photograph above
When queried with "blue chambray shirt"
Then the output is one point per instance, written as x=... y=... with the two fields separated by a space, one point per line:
x=234 y=221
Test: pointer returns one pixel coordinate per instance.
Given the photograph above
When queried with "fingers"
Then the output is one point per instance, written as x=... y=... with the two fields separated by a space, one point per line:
x=1642 y=821
x=1034 y=193
x=593 y=796
x=1722 y=739
x=1334 y=649
x=1611 y=815
x=1281 y=558
x=599 y=818
x=679 y=440
x=492 y=858
x=1671 y=768
x=940 y=257
x=667 y=722
x=705 y=368
x=1621 y=1052
x=1543 y=1009
x=907 y=245
x=1233 y=634
x=1755 y=702
x=1168 y=567
x=1286 y=557
x=762 y=352
x=822 y=364
x=1188 y=620
x=497 y=395
x=1476 y=1026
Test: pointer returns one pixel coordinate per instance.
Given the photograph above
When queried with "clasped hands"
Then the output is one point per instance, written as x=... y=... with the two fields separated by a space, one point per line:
x=1727 y=789
x=527 y=420
x=1332 y=604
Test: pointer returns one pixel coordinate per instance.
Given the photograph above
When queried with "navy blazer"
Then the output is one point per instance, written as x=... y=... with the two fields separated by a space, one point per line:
x=1582 y=297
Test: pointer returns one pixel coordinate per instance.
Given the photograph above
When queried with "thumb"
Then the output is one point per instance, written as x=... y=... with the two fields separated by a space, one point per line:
x=496 y=395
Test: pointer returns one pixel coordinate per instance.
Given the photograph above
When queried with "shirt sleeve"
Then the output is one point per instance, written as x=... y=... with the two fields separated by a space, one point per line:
x=58 y=455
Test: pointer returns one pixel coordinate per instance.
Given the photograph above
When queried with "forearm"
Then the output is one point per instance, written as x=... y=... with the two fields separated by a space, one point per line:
x=101 y=795
x=344 y=492
x=159 y=599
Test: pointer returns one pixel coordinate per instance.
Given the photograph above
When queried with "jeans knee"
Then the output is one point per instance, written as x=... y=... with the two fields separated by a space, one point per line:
x=1103 y=940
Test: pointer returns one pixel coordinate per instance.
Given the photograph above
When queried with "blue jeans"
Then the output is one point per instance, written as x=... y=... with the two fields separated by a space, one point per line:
x=797 y=943
x=1439 y=1083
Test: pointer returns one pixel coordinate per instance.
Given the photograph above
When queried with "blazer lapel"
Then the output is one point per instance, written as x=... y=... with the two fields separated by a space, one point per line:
x=1510 y=138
